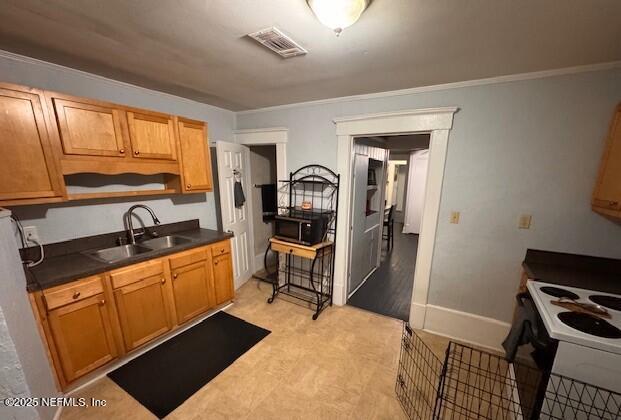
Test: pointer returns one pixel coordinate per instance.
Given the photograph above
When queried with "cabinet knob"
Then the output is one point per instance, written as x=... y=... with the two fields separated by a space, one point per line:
x=121 y=151
x=613 y=203
x=175 y=275
x=136 y=152
x=76 y=295
x=290 y=250
x=163 y=280
x=188 y=186
x=215 y=263
x=102 y=302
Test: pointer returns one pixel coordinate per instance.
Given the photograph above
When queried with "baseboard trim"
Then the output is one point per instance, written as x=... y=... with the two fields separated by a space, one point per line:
x=417 y=315
x=469 y=328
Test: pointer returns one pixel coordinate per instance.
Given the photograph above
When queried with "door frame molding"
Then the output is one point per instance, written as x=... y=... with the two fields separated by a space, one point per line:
x=276 y=136
x=436 y=121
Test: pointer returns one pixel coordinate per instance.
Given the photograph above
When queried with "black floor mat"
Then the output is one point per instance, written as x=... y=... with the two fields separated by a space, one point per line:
x=166 y=376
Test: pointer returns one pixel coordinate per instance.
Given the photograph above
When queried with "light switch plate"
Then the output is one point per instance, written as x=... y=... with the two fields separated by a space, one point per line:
x=525 y=221
x=455 y=217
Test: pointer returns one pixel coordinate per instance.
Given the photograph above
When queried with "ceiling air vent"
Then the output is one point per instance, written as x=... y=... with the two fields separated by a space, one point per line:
x=278 y=42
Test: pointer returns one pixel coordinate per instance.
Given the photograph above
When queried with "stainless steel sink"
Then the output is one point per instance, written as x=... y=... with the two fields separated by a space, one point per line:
x=116 y=253
x=164 y=242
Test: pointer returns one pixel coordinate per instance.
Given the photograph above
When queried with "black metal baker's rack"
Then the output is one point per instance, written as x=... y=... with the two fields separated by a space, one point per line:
x=311 y=191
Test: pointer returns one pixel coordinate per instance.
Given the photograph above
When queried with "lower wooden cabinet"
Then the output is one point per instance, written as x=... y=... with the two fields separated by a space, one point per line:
x=142 y=303
x=82 y=333
x=222 y=277
x=191 y=278
x=92 y=321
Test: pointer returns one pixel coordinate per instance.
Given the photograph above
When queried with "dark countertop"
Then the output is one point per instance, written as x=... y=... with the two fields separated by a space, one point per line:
x=64 y=261
x=582 y=271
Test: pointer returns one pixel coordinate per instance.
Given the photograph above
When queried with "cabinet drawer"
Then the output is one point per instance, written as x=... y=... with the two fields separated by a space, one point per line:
x=188 y=257
x=607 y=204
x=221 y=248
x=58 y=296
x=294 y=249
x=134 y=273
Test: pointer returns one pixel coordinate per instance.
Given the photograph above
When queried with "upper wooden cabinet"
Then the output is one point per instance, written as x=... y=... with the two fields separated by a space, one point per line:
x=89 y=129
x=28 y=171
x=45 y=136
x=607 y=194
x=195 y=156
x=152 y=135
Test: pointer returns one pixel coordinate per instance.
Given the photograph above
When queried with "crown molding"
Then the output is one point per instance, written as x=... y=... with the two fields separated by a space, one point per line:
x=46 y=64
x=446 y=86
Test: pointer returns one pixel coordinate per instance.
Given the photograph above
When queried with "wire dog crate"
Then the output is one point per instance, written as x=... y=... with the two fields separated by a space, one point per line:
x=474 y=384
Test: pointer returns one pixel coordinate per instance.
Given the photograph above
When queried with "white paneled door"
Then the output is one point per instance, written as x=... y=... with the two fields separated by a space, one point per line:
x=233 y=165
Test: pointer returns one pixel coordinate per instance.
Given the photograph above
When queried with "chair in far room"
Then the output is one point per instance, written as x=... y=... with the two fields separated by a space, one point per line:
x=389 y=224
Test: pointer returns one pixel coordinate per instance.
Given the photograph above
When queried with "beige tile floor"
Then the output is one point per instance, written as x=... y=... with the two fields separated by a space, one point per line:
x=341 y=366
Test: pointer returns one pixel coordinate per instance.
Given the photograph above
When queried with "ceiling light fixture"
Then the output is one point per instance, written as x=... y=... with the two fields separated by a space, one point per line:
x=338 y=14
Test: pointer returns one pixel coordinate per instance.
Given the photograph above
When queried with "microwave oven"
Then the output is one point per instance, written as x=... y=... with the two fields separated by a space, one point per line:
x=302 y=227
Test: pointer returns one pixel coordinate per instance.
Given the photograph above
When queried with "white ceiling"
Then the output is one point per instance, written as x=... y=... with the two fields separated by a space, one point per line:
x=197 y=48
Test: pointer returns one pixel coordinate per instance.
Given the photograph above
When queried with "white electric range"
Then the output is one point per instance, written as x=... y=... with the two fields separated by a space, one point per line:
x=589 y=348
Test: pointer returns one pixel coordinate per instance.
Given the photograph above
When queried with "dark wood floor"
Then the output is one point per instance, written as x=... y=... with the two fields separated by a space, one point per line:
x=389 y=290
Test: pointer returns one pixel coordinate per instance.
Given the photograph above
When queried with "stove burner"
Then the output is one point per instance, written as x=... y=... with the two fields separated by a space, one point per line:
x=590 y=324
x=559 y=293
x=610 y=302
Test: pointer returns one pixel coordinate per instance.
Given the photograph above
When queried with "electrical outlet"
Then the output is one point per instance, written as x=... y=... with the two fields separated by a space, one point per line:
x=32 y=234
x=525 y=221
x=455 y=217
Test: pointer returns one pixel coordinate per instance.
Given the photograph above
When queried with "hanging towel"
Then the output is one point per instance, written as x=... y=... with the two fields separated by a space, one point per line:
x=238 y=194
x=268 y=200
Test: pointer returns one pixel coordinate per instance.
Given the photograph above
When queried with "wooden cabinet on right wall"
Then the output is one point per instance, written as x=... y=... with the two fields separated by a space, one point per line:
x=607 y=194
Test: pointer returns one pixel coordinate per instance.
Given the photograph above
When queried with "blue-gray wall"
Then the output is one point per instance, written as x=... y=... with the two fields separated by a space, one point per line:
x=530 y=146
x=69 y=220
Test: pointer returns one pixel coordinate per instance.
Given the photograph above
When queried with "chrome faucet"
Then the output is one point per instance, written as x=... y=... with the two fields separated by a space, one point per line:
x=130 y=226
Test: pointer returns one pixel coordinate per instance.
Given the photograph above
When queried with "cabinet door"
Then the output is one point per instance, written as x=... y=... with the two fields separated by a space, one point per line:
x=143 y=311
x=83 y=336
x=152 y=135
x=89 y=129
x=27 y=167
x=195 y=156
x=191 y=291
x=608 y=189
x=223 y=278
